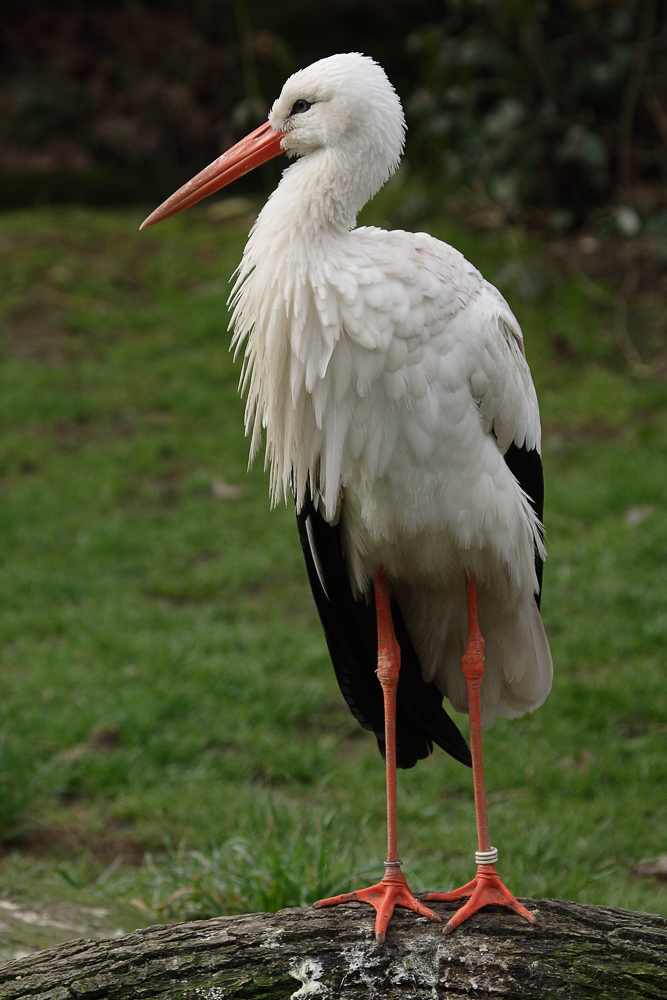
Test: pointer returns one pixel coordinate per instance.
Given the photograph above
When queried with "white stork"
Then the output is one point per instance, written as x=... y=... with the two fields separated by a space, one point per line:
x=391 y=383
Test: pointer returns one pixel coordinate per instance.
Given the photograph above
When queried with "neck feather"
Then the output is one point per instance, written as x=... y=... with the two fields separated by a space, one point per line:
x=286 y=311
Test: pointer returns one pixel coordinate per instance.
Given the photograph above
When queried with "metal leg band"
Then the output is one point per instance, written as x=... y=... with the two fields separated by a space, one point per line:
x=486 y=857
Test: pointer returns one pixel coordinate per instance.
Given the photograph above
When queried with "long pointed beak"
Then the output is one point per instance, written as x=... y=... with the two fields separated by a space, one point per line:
x=258 y=147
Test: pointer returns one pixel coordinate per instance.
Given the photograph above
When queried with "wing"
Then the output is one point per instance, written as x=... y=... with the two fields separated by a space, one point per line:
x=351 y=634
x=508 y=404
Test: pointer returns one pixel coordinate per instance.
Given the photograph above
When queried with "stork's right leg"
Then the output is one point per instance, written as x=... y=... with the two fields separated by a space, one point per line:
x=486 y=887
x=393 y=889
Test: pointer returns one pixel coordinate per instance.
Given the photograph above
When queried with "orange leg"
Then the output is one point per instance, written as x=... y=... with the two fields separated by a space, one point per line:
x=486 y=887
x=393 y=890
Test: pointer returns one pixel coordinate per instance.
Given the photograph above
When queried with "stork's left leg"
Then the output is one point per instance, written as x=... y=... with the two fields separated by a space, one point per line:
x=393 y=889
x=486 y=887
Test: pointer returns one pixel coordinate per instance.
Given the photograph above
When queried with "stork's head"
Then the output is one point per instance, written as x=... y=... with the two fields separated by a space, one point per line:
x=343 y=104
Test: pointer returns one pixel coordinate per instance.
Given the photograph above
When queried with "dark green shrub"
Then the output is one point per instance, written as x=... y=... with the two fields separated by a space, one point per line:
x=554 y=104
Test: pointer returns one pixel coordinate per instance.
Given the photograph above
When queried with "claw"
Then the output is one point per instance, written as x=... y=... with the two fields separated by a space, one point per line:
x=485 y=889
x=384 y=896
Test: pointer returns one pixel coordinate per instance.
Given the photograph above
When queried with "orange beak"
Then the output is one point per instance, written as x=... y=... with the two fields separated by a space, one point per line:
x=258 y=147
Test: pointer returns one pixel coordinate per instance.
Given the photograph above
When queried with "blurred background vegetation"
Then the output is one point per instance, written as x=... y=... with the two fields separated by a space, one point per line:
x=547 y=109
x=172 y=740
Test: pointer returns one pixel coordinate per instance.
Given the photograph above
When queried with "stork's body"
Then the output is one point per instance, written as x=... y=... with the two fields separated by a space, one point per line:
x=390 y=381
x=392 y=376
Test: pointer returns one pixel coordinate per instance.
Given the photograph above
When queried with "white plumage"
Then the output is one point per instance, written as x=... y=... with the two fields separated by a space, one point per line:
x=385 y=368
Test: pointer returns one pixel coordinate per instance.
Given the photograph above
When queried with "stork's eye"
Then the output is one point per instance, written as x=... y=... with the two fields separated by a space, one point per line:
x=300 y=107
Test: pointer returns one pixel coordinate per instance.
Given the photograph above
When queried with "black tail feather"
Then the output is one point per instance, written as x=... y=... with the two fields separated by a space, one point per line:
x=351 y=633
x=526 y=467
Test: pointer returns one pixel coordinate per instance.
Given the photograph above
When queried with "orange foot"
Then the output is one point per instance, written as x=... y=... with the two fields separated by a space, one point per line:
x=392 y=891
x=486 y=888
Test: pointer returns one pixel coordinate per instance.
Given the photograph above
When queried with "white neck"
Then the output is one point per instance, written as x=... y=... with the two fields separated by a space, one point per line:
x=326 y=189
x=286 y=305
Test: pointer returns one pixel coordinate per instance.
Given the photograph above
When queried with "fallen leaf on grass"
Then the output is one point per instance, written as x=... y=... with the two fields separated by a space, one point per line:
x=226 y=491
x=635 y=515
x=105 y=737
x=652 y=869
x=579 y=764
x=72 y=754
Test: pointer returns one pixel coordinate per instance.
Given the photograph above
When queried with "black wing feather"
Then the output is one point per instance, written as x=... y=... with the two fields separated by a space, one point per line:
x=526 y=467
x=351 y=634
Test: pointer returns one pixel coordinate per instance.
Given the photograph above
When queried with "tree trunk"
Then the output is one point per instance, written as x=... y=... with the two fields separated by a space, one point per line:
x=571 y=952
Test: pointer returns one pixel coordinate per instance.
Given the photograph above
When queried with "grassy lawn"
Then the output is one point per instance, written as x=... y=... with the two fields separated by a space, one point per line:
x=170 y=726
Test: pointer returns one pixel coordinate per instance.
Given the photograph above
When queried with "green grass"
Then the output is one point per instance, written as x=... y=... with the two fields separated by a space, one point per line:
x=170 y=725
